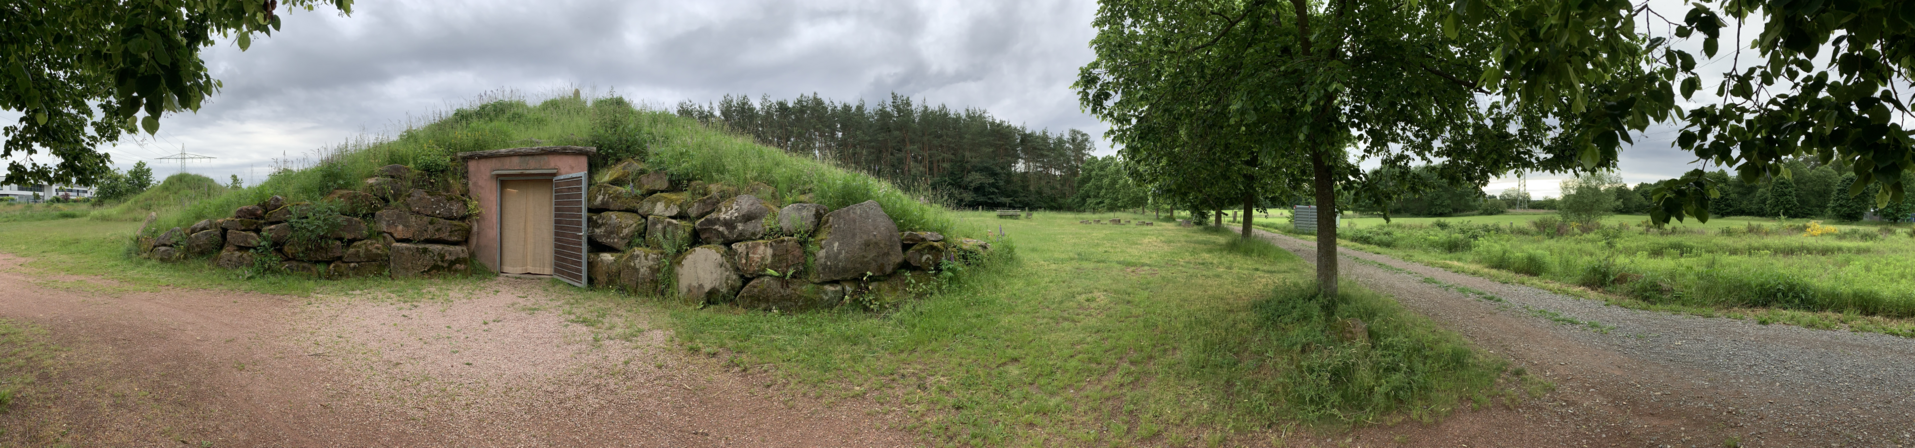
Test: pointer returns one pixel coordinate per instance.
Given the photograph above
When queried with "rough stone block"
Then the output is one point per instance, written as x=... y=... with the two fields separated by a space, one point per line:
x=800 y=219
x=418 y=260
x=739 y=219
x=856 y=241
x=706 y=275
x=243 y=238
x=436 y=205
x=616 y=230
x=755 y=258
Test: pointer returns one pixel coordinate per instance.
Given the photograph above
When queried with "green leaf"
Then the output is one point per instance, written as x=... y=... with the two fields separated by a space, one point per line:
x=1709 y=47
x=1689 y=86
x=1449 y=27
x=151 y=123
x=40 y=117
x=1590 y=156
x=246 y=41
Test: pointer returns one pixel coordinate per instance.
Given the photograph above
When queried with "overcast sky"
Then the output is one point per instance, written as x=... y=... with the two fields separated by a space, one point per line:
x=326 y=78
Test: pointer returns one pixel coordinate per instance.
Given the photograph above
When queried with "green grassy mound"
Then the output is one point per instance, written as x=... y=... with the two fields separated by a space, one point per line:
x=680 y=146
x=176 y=192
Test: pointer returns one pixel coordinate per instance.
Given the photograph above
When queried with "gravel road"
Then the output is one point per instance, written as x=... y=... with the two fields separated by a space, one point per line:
x=1629 y=377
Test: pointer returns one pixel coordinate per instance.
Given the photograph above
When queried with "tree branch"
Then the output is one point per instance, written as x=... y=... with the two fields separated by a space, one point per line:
x=1459 y=82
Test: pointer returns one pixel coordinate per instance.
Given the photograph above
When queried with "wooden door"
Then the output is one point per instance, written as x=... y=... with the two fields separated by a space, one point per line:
x=568 y=228
x=525 y=227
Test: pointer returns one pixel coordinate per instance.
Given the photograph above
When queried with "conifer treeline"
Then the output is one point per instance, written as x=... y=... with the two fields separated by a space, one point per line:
x=969 y=157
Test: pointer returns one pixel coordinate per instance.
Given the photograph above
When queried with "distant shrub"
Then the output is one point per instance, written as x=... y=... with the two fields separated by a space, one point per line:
x=1492 y=206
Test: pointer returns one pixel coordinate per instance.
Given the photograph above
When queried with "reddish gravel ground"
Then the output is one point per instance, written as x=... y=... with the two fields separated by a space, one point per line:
x=491 y=365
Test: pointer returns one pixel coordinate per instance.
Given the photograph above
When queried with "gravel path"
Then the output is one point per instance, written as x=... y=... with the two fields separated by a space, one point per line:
x=498 y=363
x=1629 y=377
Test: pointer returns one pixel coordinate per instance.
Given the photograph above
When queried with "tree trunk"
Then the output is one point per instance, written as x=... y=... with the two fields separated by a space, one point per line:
x=1248 y=201
x=1218 y=219
x=1326 y=226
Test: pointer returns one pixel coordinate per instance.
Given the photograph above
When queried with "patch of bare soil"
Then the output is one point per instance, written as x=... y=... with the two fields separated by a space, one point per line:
x=489 y=365
x=1641 y=378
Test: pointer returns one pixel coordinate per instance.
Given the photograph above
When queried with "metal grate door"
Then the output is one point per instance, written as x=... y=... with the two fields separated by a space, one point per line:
x=568 y=228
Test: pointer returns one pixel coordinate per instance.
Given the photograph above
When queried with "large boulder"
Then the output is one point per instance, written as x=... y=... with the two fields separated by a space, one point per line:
x=201 y=226
x=384 y=188
x=654 y=182
x=612 y=197
x=241 y=238
x=164 y=253
x=705 y=275
x=616 y=229
x=601 y=268
x=412 y=227
x=913 y=238
x=417 y=260
x=342 y=269
x=761 y=258
x=278 y=233
x=928 y=256
x=171 y=237
x=741 y=218
x=354 y=203
x=856 y=241
x=314 y=250
x=247 y=224
x=349 y=228
x=800 y=219
x=781 y=294
x=668 y=234
x=205 y=242
x=670 y=205
x=234 y=258
x=436 y=205
x=640 y=271
x=368 y=250
x=250 y=212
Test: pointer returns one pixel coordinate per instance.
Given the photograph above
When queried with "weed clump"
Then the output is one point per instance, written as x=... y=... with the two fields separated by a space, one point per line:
x=1361 y=355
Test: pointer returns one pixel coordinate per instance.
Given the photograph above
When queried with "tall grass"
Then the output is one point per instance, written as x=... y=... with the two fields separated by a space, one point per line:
x=507 y=120
x=1859 y=270
x=176 y=192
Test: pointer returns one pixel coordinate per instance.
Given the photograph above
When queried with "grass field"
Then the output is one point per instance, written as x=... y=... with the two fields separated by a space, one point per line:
x=1858 y=276
x=1116 y=335
x=1091 y=335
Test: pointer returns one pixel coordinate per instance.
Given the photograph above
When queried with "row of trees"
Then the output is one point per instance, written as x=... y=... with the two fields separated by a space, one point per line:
x=967 y=156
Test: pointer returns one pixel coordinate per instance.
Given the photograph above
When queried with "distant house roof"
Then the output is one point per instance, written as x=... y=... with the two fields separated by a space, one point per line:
x=529 y=151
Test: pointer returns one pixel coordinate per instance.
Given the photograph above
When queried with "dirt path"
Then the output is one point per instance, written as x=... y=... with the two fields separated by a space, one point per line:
x=496 y=364
x=1639 y=378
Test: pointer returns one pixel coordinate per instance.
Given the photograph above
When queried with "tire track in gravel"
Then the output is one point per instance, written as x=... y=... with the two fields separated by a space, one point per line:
x=1630 y=377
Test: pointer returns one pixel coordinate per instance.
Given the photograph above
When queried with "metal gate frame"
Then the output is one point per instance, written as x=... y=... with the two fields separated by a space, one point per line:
x=568 y=229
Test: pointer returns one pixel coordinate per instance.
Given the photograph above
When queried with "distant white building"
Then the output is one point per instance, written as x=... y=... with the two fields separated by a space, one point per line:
x=24 y=193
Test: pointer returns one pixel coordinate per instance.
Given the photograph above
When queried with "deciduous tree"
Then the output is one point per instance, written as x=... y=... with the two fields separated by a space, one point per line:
x=81 y=72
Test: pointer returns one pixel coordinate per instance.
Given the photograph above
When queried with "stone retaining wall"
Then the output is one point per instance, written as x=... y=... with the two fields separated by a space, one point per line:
x=724 y=244
x=394 y=225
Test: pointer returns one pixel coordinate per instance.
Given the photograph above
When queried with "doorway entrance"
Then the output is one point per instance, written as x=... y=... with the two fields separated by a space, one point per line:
x=525 y=226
